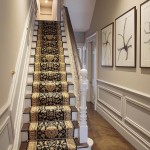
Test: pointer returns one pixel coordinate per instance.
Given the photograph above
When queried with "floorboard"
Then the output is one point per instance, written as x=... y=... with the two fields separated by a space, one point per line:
x=104 y=135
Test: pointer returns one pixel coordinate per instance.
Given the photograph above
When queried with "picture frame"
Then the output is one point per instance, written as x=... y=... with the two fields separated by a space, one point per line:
x=125 y=49
x=107 y=34
x=145 y=34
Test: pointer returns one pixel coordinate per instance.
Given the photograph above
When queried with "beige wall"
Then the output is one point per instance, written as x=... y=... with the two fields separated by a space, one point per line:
x=105 y=12
x=12 y=21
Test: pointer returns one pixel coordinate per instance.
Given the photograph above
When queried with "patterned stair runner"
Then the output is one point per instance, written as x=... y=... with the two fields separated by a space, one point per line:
x=51 y=126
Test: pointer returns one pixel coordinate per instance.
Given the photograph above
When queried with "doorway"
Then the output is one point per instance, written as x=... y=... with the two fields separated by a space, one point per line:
x=92 y=67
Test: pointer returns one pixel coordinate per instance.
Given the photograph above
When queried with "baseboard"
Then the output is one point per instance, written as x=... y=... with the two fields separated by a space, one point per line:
x=121 y=128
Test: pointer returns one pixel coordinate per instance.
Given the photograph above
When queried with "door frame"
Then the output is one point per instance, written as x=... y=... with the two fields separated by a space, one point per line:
x=92 y=38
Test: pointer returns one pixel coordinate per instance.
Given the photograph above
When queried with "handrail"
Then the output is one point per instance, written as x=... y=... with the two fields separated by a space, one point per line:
x=72 y=40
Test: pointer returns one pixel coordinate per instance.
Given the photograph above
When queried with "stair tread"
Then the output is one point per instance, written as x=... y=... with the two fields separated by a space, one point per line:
x=24 y=144
x=32 y=73
x=32 y=56
x=31 y=83
x=49 y=62
x=29 y=96
x=27 y=110
x=26 y=126
x=63 y=48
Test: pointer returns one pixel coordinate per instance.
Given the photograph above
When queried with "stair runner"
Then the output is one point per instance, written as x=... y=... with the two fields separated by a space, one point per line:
x=51 y=126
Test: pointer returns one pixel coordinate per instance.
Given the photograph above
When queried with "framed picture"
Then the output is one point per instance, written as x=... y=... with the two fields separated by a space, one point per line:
x=145 y=34
x=126 y=39
x=107 y=45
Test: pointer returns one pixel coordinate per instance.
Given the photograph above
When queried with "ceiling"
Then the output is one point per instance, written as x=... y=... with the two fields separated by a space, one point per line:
x=81 y=13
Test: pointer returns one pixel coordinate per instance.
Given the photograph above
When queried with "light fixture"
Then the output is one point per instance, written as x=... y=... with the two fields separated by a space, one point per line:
x=46 y=1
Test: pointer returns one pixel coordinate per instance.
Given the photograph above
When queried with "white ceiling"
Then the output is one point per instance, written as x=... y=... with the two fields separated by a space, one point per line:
x=81 y=13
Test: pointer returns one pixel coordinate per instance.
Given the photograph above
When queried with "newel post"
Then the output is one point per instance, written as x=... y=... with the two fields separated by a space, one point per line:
x=83 y=107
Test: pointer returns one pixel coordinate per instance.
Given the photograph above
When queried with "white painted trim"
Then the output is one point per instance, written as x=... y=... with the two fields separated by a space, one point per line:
x=131 y=100
x=4 y=108
x=106 y=104
x=20 y=100
x=94 y=37
x=4 y=124
x=122 y=128
x=54 y=9
x=126 y=89
x=110 y=91
x=133 y=123
x=110 y=107
x=137 y=126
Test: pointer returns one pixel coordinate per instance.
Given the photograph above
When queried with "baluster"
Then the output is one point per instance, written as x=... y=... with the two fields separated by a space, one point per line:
x=83 y=107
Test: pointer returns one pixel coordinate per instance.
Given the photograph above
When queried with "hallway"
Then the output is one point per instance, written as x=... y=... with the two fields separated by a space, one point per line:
x=105 y=137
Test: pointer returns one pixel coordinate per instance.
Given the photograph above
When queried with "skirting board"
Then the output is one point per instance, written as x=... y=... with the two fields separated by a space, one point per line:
x=121 y=129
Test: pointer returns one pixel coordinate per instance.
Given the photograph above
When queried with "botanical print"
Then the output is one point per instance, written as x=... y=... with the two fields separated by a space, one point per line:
x=126 y=43
x=125 y=39
x=107 y=45
x=145 y=34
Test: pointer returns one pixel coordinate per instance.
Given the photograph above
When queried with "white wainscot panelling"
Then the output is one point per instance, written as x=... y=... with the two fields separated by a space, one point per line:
x=138 y=115
x=134 y=108
x=5 y=134
x=111 y=99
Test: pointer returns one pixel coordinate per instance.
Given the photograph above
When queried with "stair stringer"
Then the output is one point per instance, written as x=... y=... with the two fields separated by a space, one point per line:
x=19 y=85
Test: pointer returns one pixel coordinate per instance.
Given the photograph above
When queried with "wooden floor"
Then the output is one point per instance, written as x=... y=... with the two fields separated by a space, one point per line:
x=105 y=137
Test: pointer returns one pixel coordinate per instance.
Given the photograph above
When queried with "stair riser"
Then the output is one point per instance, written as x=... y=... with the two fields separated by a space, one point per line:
x=36 y=23
x=29 y=89
x=28 y=102
x=34 y=45
x=30 y=78
x=26 y=117
x=36 y=28
x=65 y=52
x=35 y=39
x=24 y=135
x=36 y=33
x=68 y=68
x=67 y=60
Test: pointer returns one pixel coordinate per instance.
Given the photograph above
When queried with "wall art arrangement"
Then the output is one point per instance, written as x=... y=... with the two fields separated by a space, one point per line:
x=145 y=34
x=126 y=39
x=107 y=45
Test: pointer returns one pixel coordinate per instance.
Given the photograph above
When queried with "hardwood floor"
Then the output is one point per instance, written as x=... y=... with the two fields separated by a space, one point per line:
x=105 y=137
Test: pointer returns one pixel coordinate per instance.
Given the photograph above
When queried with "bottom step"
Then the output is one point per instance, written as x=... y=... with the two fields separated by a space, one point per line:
x=63 y=144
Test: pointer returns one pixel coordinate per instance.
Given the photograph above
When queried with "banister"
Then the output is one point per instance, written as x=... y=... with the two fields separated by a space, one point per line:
x=79 y=78
x=72 y=39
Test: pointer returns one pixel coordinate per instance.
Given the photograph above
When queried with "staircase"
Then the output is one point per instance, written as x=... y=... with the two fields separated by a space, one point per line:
x=50 y=115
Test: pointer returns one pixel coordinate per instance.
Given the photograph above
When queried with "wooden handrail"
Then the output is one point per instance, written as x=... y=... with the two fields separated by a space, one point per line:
x=72 y=39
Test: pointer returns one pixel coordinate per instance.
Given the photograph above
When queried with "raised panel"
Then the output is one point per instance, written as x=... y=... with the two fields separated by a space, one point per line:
x=138 y=115
x=111 y=99
x=5 y=133
x=4 y=139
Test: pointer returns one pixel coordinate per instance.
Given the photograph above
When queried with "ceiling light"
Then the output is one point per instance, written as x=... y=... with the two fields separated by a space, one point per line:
x=46 y=1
